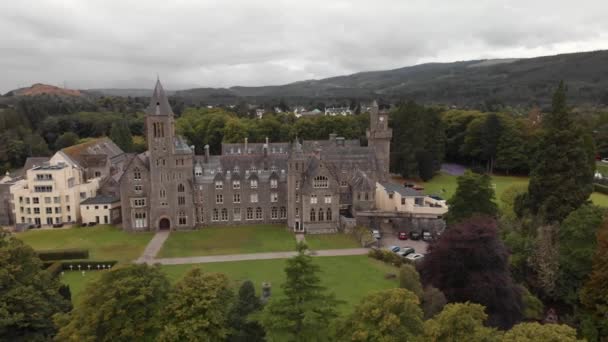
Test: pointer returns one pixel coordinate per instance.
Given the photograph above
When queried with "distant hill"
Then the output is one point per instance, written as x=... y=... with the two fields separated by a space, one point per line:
x=39 y=89
x=515 y=82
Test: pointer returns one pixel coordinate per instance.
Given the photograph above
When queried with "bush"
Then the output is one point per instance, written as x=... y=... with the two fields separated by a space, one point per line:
x=363 y=235
x=600 y=188
x=386 y=256
x=63 y=254
x=54 y=268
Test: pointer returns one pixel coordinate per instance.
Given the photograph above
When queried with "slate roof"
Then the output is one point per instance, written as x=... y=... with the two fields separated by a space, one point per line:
x=89 y=154
x=159 y=103
x=101 y=199
x=402 y=190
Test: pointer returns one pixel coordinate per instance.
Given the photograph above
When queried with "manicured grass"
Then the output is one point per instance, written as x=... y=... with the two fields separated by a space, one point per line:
x=228 y=240
x=349 y=277
x=103 y=242
x=599 y=199
x=331 y=241
x=444 y=185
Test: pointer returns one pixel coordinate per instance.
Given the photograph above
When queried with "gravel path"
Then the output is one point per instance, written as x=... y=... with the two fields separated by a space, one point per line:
x=154 y=246
x=253 y=256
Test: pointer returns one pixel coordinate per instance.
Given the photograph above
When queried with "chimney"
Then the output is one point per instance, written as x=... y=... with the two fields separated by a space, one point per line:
x=206 y=153
x=246 y=149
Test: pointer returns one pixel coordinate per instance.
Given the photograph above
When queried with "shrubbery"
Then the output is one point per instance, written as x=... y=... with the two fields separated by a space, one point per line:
x=63 y=254
x=386 y=256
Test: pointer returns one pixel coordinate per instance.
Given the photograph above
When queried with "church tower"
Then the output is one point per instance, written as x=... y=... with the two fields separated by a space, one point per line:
x=171 y=167
x=379 y=139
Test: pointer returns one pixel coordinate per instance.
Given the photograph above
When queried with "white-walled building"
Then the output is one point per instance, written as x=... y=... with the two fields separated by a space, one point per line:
x=101 y=210
x=391 y=197
x=51 y=193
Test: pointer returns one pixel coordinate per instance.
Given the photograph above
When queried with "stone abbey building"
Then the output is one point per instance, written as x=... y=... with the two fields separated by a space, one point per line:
x=307 y=185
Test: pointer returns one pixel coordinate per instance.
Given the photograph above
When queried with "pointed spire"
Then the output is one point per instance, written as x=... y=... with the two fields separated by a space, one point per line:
x=159 y=103
x=375 y=104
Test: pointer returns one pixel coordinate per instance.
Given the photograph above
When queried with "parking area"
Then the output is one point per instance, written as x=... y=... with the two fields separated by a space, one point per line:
x=390 y=238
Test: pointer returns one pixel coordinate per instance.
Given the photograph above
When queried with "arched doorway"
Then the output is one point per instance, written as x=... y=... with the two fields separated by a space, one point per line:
x=164 y=224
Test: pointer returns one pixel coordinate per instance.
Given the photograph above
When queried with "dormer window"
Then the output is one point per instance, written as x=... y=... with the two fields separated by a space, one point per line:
x=219 y=185
x=254 y=183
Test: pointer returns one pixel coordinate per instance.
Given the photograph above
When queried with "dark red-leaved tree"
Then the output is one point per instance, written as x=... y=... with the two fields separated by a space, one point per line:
x=470 y=263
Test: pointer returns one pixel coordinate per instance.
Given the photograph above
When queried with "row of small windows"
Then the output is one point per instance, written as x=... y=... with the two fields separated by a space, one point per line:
x=313 y=199
x=253 y=198
x=47 y=200
x=320 y=215
x=250 y=214
x=320 y=182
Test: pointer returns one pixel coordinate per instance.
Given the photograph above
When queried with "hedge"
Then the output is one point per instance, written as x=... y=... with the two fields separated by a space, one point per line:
x=386 y=256
x=600 y=188
x=63 y=254
x=57 y=266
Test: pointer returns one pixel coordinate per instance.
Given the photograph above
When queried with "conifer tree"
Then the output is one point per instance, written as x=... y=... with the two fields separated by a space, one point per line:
x=120 y=133
x=561 y=178
x=474 y=195
x=305 y=311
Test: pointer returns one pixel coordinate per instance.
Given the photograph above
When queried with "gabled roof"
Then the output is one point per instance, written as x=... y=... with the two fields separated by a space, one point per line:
x=159 y=103
x=90 y=153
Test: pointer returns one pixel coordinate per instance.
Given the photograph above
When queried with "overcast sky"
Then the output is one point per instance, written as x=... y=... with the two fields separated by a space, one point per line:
x=125 y=43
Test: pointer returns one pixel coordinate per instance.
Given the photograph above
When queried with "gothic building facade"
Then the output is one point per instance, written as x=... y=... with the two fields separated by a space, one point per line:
x=306 y=185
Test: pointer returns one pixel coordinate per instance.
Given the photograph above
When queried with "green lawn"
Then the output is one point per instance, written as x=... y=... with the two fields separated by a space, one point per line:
x=103 y=242
x=349 y=277
x=331 y=241
x=444 y=185
x=228 y=240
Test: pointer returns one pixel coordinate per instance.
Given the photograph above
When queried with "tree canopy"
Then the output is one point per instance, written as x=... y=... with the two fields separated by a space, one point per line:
x=474 y=196
x=470 y=263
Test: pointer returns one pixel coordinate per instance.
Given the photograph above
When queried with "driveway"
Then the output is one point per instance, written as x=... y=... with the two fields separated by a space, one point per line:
x=390 y=238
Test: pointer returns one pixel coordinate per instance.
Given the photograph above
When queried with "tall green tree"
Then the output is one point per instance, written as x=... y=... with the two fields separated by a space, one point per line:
x=561 y=178
x=459 y=322
x=512 y=151
x=120 y=133
x=593 y=296
x=197 y=308
x=577 y=244
x=243 y=328
x=389 y=315
x=474 y=196
x=305 y=311
x=29 y=296
x=66 y=139
x=123 y=305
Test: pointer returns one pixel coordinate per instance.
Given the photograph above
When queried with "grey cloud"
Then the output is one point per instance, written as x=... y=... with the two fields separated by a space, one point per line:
x=125 y=43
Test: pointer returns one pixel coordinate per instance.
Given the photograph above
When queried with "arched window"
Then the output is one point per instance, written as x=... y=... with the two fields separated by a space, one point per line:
x=320 y=215
x=274 y=213
x=258 y=213
x=312 y=215
x=328 y=216
x=136 y=174
x=320 y=182
x=180 y=188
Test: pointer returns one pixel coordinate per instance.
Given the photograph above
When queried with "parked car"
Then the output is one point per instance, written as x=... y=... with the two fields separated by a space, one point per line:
x=403 y=236
x=414 y=257
x=604 y=160
x=376 y=234
x=394 y=249
x=415 y=236
x=426 y=236
x=405 y=251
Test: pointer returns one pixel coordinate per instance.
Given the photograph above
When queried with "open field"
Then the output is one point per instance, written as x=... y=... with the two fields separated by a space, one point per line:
x=331 y=241
x=444 y=185
x=103 y=242
x=221 y=240
x=349 y=277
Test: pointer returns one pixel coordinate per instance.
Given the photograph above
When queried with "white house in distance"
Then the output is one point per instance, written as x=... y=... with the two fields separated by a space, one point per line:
x=100 y=209
x=333 y=111
x=391 y=197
